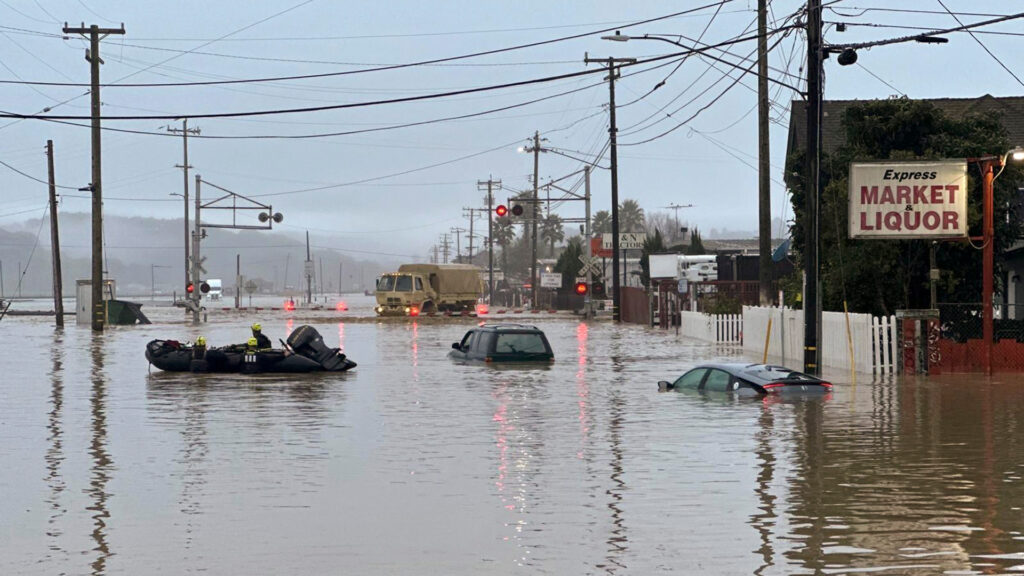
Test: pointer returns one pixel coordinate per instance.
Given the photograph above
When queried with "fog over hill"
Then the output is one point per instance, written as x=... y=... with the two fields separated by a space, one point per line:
x=149 y=252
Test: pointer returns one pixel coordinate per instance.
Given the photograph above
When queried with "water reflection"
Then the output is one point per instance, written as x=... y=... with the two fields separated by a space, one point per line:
x=617 y=539
x=55 y=451
x=102 y=465
x=765 y=518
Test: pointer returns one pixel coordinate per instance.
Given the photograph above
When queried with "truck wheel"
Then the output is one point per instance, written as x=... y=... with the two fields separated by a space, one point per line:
x=428 y=307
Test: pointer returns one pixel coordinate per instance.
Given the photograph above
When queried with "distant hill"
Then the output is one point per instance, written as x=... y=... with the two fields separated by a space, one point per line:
x=142 y=252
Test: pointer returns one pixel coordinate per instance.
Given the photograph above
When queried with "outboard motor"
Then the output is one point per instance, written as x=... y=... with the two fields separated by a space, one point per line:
x=305 y=340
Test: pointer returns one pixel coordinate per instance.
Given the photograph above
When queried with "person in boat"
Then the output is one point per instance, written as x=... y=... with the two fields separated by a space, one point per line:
x=199 y=348
x=262 y=342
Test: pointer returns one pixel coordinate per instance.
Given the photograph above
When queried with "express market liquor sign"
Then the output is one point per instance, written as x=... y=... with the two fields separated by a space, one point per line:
x=908 y=199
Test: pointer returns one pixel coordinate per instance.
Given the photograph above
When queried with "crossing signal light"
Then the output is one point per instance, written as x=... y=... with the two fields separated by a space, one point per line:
x=190 y=288
x=204 y=287
x=581 y=288
x=517 y=210
x=598 y=288
x=501 y=210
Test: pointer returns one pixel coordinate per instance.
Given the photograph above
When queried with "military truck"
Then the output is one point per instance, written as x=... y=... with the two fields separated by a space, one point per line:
x=424 y=288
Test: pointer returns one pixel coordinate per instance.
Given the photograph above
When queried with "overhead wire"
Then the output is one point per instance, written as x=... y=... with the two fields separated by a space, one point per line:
x=119 y=84
x=982 y=44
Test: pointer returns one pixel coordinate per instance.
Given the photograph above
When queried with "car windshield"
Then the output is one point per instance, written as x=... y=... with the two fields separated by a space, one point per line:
x=404 y=284
x=520 y=343
x=773 y=373
x=386 y=284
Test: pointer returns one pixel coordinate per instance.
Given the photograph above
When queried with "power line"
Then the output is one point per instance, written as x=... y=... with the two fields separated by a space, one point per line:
x=117 y=83
x=982 y=44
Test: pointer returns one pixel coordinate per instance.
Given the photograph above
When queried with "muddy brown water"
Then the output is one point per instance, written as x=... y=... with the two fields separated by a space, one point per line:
x=413 y=464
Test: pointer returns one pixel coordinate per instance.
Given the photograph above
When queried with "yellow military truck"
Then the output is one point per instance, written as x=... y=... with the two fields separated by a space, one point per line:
x=424 y=288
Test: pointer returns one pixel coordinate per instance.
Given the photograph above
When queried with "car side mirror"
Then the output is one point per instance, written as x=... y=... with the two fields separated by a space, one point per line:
x=664 y=386
x=455 y=345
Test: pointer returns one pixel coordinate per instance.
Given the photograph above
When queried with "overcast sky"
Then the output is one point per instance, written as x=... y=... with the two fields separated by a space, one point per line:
x=691 y=141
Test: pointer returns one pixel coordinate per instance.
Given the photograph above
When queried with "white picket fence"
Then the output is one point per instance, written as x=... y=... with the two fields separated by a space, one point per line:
x=718 y=328
x=872 y=340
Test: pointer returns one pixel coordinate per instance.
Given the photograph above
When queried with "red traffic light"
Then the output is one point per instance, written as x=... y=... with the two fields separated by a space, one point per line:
x=581 y=288
x=501 y=210
x=190 y=288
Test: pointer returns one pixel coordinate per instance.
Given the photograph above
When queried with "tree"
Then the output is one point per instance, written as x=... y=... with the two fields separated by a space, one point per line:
x=552 y=232
x=504 y=233
x=569 y=263
x=602 y=222
x=653 y=244
x=696 y=245
x=631 y=217
x=881 y=276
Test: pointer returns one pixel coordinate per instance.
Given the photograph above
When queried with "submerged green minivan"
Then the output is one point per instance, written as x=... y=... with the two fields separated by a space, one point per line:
x=503 y=343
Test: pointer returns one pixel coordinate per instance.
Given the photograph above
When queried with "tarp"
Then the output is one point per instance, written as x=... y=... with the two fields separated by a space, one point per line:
x=451 y=278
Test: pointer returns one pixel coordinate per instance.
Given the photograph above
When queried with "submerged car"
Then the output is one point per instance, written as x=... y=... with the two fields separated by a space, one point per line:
x=503 y=343
x=747 y=380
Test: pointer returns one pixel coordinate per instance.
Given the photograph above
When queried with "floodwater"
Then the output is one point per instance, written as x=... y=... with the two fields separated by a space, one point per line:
x=411 y=464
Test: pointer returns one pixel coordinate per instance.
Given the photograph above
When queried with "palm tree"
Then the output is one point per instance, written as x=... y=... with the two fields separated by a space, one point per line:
x=503 y=232
x=602 y=223
x=631 y=217
x=552 y=232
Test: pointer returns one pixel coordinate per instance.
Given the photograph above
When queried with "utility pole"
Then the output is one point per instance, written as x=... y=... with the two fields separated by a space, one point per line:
x=812 y=177
x=321 y=279
x=675 y=208
x=612 y=64
x=92 y=54
x=533 y=216
x=472 y=216
x=309 y=272
x=339 y=277
x=197 y=294
x=444 y=247
x=764 y=244
x=238 y=280
x=587 y=306
x=458 y=248
x=58 y=290
x=490 y=234
x=185 y=131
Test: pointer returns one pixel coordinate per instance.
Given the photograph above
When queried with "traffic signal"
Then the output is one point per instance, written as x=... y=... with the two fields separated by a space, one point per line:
x=517 y=210
x=598 y=288
x=190 y=288
x=204 y=287
x=581 y=288
x=501 y=210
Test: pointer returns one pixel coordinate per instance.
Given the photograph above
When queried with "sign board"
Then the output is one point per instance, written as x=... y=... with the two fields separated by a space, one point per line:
x=486 y=276
x=663 y=265
x=627 y=241
x=598 y=250
x=551 y=280
x=908 y=199
x=683 y=286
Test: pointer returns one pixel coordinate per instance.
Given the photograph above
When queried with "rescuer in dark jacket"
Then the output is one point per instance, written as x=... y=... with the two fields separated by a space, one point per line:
x=262 y=342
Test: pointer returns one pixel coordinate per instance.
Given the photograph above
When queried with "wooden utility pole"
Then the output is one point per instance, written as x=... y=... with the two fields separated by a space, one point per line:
x=812 y=309
x=309 y=272
x=764 y=161
x=533 y=218
x=490 y=235
x=58 y=286
x=92 y=54
x=185 y=131
x=612 y=64
x=196 y=297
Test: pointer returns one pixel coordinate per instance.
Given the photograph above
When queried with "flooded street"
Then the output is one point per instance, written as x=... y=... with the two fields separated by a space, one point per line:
x=412 y=464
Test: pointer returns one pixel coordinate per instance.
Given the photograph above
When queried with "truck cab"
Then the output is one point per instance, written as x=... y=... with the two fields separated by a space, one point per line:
x=216 y=289
x=401 y=294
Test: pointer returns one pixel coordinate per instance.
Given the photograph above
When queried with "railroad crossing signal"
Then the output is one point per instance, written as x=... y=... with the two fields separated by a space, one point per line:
x=589 y=266
x=501 y=210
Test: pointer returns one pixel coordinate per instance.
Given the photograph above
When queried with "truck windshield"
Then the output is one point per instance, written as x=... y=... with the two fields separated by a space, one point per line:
x=404 y=284
x=386 y=284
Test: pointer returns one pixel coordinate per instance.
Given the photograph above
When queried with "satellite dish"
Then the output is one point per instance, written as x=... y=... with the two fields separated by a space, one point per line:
x=781 y=251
